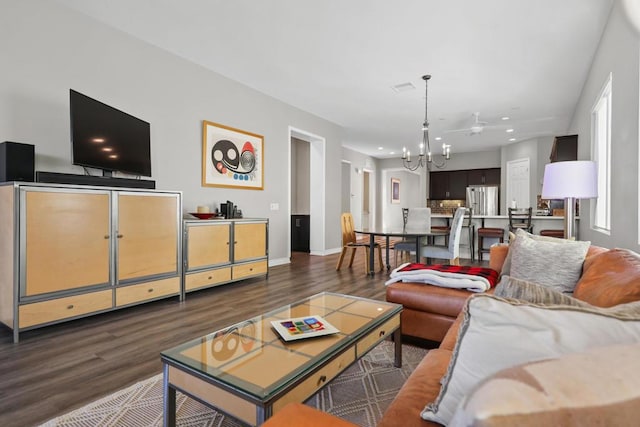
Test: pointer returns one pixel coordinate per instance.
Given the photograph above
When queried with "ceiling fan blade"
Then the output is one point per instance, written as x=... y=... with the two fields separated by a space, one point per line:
x=458 y=130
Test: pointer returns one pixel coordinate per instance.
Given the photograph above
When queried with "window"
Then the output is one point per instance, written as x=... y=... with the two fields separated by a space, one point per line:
x=601 y=154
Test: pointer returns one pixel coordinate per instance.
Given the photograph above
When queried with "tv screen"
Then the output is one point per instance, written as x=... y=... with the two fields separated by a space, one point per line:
x=106 y=138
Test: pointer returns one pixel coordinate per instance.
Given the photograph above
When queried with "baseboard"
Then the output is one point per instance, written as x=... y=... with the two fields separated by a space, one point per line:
x=279 y=261
x=327 y=252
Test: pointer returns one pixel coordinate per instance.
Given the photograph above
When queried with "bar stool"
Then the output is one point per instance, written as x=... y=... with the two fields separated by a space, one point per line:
x=490 y=232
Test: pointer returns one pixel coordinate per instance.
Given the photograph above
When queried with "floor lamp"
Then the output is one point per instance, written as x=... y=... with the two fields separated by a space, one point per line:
x=570 y=181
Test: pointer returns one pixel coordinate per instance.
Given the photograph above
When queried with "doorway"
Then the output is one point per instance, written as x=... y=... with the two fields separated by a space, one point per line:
x=313 y=189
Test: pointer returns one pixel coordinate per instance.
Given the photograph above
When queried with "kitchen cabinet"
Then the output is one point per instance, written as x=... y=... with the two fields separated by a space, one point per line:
x=72 y=251
x=452 y=185
x=484 y=176
x=565 y=148
x=222 y=251
x=448 y=185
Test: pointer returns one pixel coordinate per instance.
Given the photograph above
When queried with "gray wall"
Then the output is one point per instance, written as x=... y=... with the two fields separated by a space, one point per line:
x=618 y=53
x=300 y=177
x=359 y=162
x=47 y=49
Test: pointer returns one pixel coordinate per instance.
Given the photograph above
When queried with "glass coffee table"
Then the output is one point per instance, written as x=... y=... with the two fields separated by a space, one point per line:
x=249 y=372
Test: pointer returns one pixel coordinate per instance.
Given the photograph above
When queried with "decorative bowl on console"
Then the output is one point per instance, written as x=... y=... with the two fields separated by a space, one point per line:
x=203 y=215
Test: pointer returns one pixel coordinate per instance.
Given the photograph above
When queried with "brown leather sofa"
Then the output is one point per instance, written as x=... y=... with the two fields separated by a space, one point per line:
x=609 y=277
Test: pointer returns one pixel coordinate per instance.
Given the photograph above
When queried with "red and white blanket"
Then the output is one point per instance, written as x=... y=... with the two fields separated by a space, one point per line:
x=474 y=279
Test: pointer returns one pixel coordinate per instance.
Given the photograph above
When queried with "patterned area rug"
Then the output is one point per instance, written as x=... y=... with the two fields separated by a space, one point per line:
x=360 y=394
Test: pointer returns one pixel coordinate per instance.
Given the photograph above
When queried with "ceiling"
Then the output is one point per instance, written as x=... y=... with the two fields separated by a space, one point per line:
x=522 y=59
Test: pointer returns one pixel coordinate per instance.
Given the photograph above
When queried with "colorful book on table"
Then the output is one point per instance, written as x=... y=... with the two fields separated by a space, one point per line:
x=303 y=327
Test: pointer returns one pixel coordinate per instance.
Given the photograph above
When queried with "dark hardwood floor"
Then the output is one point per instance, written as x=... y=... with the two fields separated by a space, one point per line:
x=59 y=368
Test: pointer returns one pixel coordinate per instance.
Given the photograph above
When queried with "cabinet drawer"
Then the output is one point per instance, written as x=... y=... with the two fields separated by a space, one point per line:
x=366 y=343
x=63 y=308
x=146 y=291
x=249 y=269
x=316 y=381
x=203 y=278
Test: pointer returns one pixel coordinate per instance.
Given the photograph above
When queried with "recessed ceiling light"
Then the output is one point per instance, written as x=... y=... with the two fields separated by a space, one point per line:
x=113 y=156
x=438 y=138
x=380 y=148
x=505 y=118
x=392 y=152
x=98 y=140
x=403 y=87
x=107 y=149
x=512 y=139
x=509 y=130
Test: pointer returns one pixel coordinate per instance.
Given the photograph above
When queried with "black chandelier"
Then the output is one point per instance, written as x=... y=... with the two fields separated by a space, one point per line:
x=425 y=160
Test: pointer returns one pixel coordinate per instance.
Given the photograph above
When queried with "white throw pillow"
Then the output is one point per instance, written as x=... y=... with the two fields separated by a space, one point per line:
x=594 y=388
x=499 y=333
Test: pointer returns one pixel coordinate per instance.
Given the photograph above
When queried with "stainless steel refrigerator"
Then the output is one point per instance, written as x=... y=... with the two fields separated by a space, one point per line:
x=483 y=199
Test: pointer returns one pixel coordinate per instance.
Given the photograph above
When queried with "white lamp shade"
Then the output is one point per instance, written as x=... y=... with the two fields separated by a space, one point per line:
x=577 y=179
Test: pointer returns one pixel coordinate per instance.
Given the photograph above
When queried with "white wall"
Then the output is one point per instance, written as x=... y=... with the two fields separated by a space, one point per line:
x=48 y=49
x=359 y=162
x=619 y=54
x=410 y=196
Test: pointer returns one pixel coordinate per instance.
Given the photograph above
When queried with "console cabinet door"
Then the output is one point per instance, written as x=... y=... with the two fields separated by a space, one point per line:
x=147 y=235
x=250 y=241
x=208 y=245
x=65 y=240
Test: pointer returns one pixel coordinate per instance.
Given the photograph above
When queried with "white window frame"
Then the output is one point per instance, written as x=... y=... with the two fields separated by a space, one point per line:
x=601 y=154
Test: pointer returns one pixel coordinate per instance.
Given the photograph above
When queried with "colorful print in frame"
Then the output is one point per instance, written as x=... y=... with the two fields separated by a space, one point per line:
x=395 y=190
x=231 y=157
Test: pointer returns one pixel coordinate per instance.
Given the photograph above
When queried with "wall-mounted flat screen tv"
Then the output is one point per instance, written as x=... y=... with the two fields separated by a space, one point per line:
x=106 y=138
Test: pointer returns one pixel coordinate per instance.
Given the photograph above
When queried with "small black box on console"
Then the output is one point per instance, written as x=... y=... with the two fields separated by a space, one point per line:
x=17 y=161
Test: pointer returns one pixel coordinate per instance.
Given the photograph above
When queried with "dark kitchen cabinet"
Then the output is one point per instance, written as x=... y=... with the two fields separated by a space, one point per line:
x=452 y=185
x=300 y=230
x=448 y=185
x=484 y=176
x=565 y=148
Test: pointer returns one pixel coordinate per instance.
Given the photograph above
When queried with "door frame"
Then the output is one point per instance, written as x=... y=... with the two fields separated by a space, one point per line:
x=317 y=190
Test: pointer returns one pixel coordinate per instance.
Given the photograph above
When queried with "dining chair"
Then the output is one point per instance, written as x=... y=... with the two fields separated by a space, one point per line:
x=520 y=218
x=417 y=219
x=350 y=241
x=452 y=250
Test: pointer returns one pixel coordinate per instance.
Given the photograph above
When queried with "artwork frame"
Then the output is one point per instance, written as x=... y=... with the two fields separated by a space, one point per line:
x=395 y=190
x=231 y=158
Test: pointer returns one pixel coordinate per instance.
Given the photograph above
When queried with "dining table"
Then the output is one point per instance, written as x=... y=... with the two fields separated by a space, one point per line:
x=405 y=233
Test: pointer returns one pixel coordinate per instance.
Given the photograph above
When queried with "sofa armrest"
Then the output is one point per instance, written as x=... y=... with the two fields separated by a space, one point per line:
x=497 y=255
x=300 y=415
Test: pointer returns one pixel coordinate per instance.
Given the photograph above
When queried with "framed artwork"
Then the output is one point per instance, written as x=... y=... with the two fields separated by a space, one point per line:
x=395 y=190
x=231 y=157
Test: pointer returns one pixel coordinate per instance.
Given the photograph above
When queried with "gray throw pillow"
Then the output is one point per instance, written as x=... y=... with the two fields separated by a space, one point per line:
x=506 y=265
x=510 y=287
x=558 y=266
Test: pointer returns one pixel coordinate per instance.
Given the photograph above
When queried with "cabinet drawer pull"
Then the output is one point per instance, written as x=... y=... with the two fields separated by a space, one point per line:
x=106 y=237
x=210 y=277
x=227 y=243
x=150 y=290
x=381 y=334
x=251 y=269
x=235 y=242
x=70 y=307
x=322 y=379
x=119 y=236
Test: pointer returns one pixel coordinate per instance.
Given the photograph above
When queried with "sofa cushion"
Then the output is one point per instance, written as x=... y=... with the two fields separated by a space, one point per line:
x=610 y=278
x=570 y=390
x=558 y=265
x=510 y=287
x=513 y=237
x=499 y=333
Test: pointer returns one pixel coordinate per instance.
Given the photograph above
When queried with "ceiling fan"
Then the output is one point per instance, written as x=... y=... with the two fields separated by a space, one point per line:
x=476 y=127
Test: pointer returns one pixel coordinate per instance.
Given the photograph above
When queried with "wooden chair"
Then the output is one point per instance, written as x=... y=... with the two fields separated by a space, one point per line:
x=489 y=233
x=520 y=218
x=350 y=241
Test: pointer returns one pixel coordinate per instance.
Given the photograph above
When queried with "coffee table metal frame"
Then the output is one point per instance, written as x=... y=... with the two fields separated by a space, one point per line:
x=222 y=388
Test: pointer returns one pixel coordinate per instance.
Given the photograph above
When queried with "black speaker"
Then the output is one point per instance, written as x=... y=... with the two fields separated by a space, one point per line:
x=17 y=162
